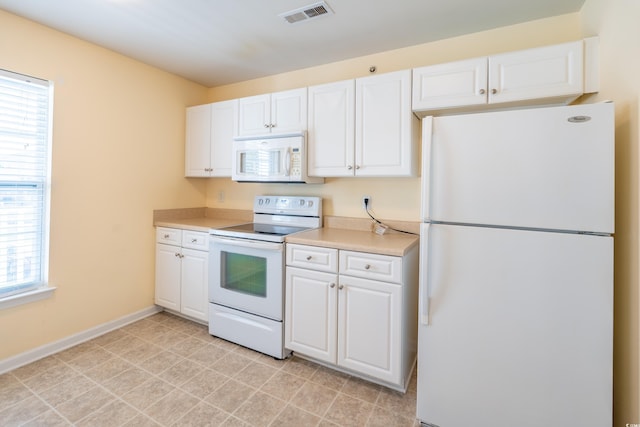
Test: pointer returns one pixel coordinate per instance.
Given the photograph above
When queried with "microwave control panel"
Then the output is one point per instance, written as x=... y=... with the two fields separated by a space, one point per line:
x=296 y=162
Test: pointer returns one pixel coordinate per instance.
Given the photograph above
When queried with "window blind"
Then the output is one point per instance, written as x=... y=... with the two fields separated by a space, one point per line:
x=25 y=125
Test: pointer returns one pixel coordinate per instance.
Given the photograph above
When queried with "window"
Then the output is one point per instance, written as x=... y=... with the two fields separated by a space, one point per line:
x=25 y=158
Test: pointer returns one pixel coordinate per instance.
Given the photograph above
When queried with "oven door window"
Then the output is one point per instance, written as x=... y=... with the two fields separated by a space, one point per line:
x=244 y=273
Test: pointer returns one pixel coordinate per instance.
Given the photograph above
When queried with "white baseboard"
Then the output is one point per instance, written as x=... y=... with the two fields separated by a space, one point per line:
x=38 y=353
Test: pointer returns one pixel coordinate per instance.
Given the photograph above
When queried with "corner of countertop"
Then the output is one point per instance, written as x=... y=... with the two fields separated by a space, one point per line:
x=366 y=224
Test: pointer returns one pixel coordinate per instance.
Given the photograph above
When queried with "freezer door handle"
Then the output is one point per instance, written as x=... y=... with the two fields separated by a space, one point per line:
x=423 y=297
x=427 y=138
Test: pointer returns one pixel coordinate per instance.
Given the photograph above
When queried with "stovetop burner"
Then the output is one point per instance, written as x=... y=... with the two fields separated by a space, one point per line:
x=275 y=217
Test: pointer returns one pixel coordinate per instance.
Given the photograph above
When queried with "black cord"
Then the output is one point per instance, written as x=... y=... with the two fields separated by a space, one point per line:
x=366 y=208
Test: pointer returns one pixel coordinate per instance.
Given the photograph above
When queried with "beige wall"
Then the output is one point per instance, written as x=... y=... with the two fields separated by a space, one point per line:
x=616 y=22
x=118 y=135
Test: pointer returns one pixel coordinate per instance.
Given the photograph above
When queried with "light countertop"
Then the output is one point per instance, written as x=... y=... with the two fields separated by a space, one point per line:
x=396 y=244
x=198 y=224
x=352 y=234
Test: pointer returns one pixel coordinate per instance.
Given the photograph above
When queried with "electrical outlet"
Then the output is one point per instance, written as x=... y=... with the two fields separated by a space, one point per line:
x=366 y=202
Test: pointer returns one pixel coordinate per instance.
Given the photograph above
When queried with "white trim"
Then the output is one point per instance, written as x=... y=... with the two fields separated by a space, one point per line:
x=26 y=297
x=38 y=353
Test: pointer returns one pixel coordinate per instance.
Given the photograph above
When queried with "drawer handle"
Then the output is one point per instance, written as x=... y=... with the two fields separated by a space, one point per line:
x=366 y=267
x=309 y=257
x=194 y=240
x=166 y=236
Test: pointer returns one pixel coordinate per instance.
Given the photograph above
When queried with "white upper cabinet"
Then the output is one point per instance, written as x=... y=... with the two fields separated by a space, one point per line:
x=551 y=74
x=386 y=129
x=331 y=133
x=451 y=84
x=545 y=72
x=198 y=141
x=209 y=139
x=223 y=119
x=280 y=112
x=363 y=127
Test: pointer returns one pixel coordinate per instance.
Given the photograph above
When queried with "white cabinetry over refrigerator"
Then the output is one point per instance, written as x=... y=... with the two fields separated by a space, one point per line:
x=280 y=112
x=359 y=317
x=182 y=272
x=549 y=74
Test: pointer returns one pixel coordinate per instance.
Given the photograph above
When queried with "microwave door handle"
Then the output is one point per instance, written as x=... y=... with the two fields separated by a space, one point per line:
x=287 y=162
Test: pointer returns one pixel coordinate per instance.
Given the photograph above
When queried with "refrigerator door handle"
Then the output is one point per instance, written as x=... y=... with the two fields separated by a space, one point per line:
x=427 y=142
x=423 y=297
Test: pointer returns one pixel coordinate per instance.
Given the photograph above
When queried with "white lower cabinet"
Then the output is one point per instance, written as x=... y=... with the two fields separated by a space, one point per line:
x=182 y=272
x=360 y=317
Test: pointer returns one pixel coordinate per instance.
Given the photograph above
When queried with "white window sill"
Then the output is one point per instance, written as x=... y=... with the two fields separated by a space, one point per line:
x=26 y=297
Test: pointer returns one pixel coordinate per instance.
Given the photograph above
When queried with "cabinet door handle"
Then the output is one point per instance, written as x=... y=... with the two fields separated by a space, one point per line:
x=266 y=125
x=494 y=91
x=349 y=167
x=272 y=125
x=341 y=287
x=332 y=285
x=177 y=254
x=357 y=166
x=309 y=257
x=482 y=91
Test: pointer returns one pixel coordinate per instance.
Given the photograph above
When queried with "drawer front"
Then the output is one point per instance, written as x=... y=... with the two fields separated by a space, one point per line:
x=312 y=257
x=169 y=236
x=371 y=266
x=195 y=240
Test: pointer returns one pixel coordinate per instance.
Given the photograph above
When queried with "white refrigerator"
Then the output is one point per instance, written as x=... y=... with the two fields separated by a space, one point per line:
x=516 y=270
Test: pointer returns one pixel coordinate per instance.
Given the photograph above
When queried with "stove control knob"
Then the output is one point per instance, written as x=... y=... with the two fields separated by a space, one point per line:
x=310 y=203
x=260 y=202
x=301 y=202
x=267 y=201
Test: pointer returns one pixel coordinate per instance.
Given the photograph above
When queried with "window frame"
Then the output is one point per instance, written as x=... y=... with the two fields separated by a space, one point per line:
x=40 y=289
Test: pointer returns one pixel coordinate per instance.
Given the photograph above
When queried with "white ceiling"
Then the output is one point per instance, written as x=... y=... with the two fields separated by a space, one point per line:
x=216 y=42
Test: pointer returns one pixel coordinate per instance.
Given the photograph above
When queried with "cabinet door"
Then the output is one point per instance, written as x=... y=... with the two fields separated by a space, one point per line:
x=223 y=121
x=310 y=313
x=449 y=85
x=254 y=115
x=194 y=280
x=385 y=125
x=331 y=133
x=168 y=276
x=546 y=72
x=289 y=111
x=198 y=141
x=369 y=336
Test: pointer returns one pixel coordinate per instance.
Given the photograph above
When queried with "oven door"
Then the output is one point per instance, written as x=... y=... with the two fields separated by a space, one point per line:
x=247 y=275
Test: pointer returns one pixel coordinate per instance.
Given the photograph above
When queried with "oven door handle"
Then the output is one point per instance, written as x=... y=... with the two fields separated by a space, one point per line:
x=251 y=244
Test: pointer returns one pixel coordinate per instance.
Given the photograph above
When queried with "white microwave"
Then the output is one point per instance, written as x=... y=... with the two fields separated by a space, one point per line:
x=271 y=158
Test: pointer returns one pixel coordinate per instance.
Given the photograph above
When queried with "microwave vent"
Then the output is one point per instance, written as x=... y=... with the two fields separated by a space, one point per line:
x=307 y=12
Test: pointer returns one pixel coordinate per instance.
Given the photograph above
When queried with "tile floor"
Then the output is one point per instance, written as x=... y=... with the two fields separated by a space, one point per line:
x=168 y=371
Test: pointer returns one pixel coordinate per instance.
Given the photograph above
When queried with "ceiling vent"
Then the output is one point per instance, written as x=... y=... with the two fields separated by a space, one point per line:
x=306 y=13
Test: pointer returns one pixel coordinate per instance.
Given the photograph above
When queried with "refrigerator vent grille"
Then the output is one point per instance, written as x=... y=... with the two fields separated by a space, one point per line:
x=307 y=12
